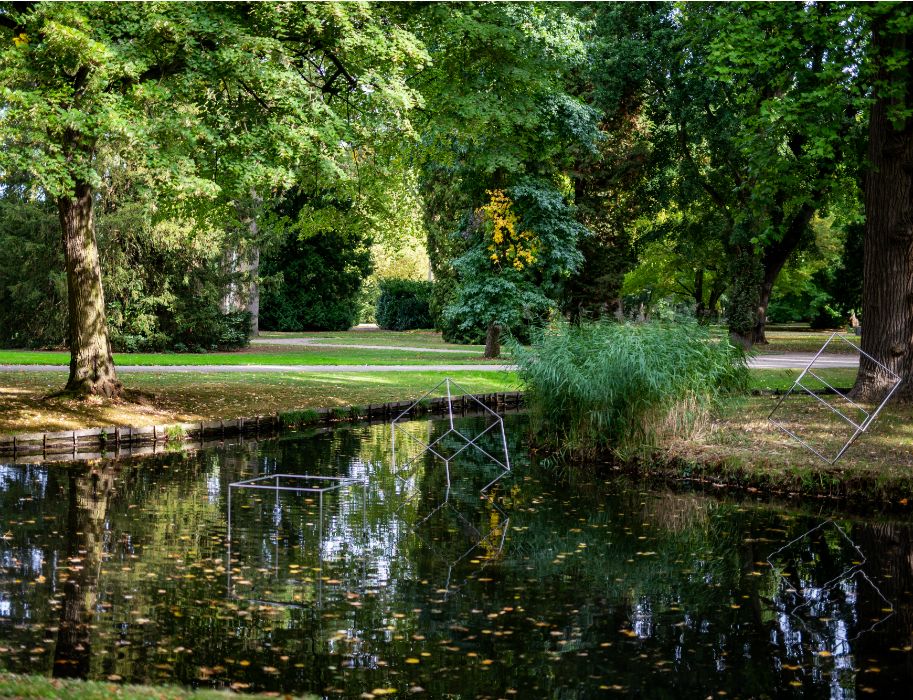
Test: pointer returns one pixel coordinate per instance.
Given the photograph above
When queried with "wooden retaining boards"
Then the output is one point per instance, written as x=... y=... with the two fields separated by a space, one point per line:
x=117 y=441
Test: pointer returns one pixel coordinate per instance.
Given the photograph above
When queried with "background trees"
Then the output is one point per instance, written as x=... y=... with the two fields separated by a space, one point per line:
x=703 y=156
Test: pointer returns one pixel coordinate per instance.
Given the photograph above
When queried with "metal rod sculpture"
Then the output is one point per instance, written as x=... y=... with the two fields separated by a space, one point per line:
x=863 y=420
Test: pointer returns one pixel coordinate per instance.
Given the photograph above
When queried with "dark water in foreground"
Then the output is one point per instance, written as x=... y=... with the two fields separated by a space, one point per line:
x=542 y=588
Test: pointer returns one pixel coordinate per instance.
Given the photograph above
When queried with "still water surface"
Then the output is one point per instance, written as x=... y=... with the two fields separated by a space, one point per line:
x=539 y=587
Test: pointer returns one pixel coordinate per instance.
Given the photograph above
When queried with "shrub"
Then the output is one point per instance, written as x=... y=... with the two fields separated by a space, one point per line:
x=605 y=387
x=403 y=305
x=316 y=284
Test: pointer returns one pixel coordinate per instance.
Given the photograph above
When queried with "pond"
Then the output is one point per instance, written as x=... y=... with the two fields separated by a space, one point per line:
x=542 y=585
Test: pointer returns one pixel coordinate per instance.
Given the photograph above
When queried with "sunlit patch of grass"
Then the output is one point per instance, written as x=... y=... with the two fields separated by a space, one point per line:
x=279 y=355
x=188 y=397
x=742 y=437
x=782 y=379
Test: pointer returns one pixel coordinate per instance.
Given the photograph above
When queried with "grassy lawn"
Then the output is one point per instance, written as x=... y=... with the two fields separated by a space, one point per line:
x=770 y=379
x=749 y=448
x=805 y=341
x=193 y=396
x=418 y=339
x=260 y=355
x=29 y=687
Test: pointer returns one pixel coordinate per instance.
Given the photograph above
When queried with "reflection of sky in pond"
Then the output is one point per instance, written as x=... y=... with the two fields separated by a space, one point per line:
x=550 y=588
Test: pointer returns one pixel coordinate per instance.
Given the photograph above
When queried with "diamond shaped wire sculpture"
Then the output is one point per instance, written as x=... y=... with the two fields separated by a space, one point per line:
x=494 y=539
x=427 y=448
x=863 y=418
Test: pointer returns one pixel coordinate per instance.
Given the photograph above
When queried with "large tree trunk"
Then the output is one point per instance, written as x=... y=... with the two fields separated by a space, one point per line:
x=493 y=341
x=91 y=364
x=887 y=290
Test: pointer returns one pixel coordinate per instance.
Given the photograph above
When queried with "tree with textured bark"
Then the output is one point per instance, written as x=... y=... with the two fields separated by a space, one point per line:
x=214 y=100
x=887 y=291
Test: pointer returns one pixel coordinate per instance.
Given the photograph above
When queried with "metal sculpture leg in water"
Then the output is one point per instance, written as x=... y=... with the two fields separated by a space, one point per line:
x=435 y=447
x=863 y=418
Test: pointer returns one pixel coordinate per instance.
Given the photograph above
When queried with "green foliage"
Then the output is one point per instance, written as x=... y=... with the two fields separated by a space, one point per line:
x=606 y=387
x=315 y=284
x=489 y=292
x=163 y=280
x=403 y=304
x=33 y=285
x=294 y=419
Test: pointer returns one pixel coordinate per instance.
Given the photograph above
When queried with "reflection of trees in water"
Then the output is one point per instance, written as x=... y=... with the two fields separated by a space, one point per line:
x=663 y=602
x=87 y=505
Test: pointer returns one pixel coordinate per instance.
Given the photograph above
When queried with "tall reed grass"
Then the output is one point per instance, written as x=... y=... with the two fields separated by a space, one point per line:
x=609 y=388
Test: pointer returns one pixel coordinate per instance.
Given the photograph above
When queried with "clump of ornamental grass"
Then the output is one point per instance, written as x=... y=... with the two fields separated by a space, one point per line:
x=622 y=388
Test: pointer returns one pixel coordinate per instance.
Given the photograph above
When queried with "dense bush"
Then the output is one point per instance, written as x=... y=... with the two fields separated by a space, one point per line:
x=317 y=284
x=615 y=388
x=160 y=293
x=403 y=305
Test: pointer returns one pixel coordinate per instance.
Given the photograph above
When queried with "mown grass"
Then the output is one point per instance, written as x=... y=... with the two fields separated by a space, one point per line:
x=194 y=396
x=780 y=341
x=429 y=339
x=281 y=355
x=782 y=379
x=39 y=687
x=742 y=446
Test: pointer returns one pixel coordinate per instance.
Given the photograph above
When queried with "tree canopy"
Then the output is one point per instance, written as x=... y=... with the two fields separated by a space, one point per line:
x=710 y=157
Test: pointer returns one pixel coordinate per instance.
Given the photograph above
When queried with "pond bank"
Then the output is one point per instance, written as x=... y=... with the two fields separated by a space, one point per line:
x=128 y=441
x=742 y=449
x=27 y=687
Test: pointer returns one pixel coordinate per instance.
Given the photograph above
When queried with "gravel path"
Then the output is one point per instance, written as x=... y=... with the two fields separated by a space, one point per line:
x=799 y=360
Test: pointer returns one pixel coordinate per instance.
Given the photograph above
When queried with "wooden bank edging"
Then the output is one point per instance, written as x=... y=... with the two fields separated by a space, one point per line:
x=114 y=441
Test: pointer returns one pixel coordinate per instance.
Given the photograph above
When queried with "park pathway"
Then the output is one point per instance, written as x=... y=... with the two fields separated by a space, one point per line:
x=791 y=360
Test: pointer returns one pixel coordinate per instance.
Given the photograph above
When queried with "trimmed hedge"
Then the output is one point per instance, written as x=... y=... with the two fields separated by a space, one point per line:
x=403 y=305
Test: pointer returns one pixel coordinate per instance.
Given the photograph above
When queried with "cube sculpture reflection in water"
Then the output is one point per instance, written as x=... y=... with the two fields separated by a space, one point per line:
x=438 y=447
x=852 y=417
x=301 y=484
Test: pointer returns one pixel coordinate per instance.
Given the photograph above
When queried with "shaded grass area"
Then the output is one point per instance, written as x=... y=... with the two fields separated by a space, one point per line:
x=188 y=397
x=28 y=687
x=279 y=355
x=806 y=341
x=429 y=339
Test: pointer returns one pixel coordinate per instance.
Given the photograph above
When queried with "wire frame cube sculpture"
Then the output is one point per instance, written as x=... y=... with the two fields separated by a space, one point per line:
x=849 y=415
x=439 y=448
x=318 y=487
